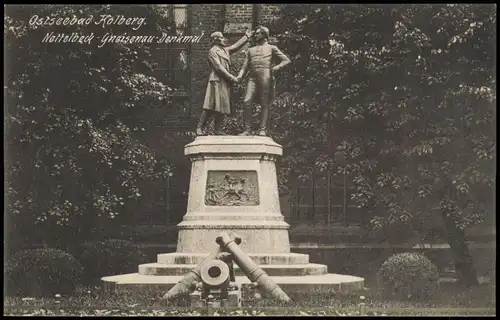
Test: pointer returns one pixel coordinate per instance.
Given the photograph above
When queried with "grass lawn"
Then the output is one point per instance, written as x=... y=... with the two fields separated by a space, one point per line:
x=450 y=301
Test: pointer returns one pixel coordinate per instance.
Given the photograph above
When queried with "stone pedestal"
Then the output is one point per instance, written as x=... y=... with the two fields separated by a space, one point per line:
x=233 y=188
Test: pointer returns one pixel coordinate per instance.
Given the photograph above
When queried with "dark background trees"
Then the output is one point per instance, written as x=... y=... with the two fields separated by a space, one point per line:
x=405 y=96
x=73 y=160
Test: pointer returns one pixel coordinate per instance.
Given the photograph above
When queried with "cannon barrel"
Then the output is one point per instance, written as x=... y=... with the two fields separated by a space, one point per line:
x=188 y=283
x=250 y=268
x=214 y=273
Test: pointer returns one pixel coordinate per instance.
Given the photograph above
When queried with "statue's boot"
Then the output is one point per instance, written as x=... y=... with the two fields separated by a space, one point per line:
x=219 y=120
x=264 y=116
x=247 y=120
x=247 y=131
x=201 y=123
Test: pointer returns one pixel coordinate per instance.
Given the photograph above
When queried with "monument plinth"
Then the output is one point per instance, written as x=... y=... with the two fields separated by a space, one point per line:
x=233 y=188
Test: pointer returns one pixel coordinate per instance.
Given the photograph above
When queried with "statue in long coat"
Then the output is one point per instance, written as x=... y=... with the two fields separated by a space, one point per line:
x=217 y=96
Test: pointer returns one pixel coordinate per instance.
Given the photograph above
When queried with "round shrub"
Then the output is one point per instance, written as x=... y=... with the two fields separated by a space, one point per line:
x=110 y=257
x=408 y=275
x=42 y=272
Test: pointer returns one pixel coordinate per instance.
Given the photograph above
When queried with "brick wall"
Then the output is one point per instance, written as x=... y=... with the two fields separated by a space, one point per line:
x=239 y=12
x=268 y=13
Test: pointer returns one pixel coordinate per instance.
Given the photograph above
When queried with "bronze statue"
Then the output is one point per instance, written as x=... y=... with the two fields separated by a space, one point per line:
x=217 y=97
x=261 y=82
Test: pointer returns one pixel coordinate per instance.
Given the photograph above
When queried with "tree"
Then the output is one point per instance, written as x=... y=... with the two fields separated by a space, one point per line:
x=406 y=94
x=72 y=160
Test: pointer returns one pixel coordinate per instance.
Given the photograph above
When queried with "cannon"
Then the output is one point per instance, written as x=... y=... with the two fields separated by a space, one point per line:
x=212 y=283
x=192 y=278
x=250 y=268
x=216 y=289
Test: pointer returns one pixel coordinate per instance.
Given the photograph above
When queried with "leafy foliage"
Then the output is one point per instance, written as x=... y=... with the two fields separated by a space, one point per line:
x=409 y=103
x=73 y=161
x=400 y=97
x=110 y=257
x=409 y=276
x=42 y=272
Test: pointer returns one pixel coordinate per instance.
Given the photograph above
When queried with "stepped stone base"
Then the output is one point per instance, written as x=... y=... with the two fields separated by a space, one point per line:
x=159 y=285
x=291 y=271
x=158 y=269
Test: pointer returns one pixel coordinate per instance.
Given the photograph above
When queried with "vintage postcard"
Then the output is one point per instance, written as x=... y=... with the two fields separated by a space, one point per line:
x=250 y=159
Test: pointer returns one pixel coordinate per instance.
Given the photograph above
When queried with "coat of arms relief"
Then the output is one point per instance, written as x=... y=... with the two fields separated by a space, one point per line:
x=232 y=188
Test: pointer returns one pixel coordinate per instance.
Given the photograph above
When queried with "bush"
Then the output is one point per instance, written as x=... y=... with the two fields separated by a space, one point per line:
x=110 y=257
x=408 y=275
x=42 y=272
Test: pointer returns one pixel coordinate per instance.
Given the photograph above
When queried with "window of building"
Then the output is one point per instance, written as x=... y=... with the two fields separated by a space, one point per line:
x=325 y=200
x=171 y=60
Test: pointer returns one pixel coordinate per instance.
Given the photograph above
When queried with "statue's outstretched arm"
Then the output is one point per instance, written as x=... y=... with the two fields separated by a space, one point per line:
x=238 y=44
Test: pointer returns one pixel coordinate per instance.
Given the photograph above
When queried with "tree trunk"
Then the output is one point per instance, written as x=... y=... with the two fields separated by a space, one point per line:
x=462 y=257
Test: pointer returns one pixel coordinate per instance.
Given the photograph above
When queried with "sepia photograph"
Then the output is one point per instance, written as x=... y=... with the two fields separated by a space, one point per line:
x=250 y=159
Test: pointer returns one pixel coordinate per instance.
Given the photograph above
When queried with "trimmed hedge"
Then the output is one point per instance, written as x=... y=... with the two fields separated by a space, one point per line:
x=42 y=272
x=409 y=276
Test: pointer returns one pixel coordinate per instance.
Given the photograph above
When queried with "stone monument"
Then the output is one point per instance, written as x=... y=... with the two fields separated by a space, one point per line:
x=233 y=188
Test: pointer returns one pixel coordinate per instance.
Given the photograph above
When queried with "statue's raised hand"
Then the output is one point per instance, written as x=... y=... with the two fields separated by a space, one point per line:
x=248 y=33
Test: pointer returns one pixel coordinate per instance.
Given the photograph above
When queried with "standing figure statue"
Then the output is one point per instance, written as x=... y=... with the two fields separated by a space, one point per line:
x=261 y=83
x=217 y=97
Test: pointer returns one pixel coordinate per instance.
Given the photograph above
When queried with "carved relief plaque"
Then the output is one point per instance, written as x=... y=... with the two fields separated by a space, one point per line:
x=232 y=188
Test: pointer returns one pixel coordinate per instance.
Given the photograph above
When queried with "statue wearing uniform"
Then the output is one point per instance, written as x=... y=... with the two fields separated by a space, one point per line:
x=217 y=96
x=259 y=67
